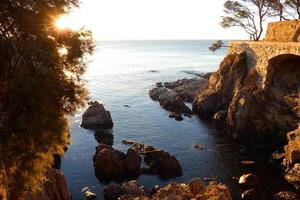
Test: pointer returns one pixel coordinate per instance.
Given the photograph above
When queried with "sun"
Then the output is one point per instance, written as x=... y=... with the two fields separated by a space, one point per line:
x=67 y=22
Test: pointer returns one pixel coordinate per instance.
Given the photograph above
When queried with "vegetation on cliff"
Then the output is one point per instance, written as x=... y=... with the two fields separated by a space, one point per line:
x=39 y=86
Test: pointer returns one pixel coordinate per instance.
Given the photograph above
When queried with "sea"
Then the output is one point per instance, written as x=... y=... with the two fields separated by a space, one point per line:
x=120 y=75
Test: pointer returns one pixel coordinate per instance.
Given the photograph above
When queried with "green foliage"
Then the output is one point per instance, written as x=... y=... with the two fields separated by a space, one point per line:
x=247 y=14
x=39 y=87
x=216 y=45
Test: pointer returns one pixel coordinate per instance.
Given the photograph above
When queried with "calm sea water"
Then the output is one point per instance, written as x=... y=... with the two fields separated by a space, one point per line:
x=121 y=73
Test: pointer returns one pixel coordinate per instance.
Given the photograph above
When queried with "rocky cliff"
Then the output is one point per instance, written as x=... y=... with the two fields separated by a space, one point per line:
x=233 y=96
x=256 y=92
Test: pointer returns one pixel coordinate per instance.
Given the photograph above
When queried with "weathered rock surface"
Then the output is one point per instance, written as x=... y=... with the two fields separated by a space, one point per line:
x=248 y=180
x=286 y=195
x=54 y=188
x=166 y=165
x=128 y=190
x=292 y=158
x=109 y=163
x=158 y=161
x=251 y=108
x=96 y=117
x=186 y=88
x=175 y=191
x=169 y=100
x=104 y=137
x=132 y=162
x=173 y=95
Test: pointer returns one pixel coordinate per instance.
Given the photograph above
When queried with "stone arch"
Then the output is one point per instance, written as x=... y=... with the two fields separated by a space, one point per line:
x=283 y=87
x=296 y=37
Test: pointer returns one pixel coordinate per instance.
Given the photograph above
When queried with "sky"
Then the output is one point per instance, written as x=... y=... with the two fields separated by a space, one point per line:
x=153 y=19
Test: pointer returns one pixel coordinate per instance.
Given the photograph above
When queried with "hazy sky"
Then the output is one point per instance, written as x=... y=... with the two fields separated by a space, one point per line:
x=154 y=19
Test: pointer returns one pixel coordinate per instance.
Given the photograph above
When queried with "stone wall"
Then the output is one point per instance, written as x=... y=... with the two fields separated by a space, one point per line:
x=286 y=31
x=258 y=54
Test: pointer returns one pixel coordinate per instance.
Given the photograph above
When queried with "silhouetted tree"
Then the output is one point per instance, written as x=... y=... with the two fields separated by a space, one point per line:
x=248 y=14
x=217 y=45
x=278 y=9
x=39 y=86
x=294 y=8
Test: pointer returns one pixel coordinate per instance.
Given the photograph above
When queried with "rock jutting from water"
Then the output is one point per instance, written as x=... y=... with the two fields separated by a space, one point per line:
x=104 y=137
x=96 y=117
x=192 y=190
x=255 y=93
x=245 y=106
x=173 y=95
x=111 y=164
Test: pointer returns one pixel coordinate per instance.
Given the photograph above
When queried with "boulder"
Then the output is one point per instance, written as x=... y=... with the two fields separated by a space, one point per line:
x=167 y=165
x=250 y=195
x=128 y=190
x=173 y=191
x=293 y=176
x=292 y=158
x=169 y=100
x=104 y=137
x=132 y=162
x=96 y=117
x=248 y=180
x=109 y=163
x=286 y=195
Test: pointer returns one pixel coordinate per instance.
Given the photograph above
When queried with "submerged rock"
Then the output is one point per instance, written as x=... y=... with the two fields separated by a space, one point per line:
x=96 y=117
x=175 y=191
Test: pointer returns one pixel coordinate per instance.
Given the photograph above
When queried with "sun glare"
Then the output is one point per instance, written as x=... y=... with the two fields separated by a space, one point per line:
x=63 y=51
x=67 y=22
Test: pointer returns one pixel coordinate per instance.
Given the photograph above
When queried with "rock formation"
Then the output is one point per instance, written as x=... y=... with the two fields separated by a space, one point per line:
x=256 y=91
x=111 y=164
x=96 y=117
x=173 y=95
x=192 y=190
x=232 y=93
x=292 y=158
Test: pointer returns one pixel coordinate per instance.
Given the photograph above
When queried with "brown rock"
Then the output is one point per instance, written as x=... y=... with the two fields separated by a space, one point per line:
x=250 y=195
x=108 y=162
x=167 y=165
x=104 y=137
x=293 y=176
x=128 y=190
x=248 y=180
x=196 y=186
x=132 y=162
x=286 y=195
x=96 y=117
